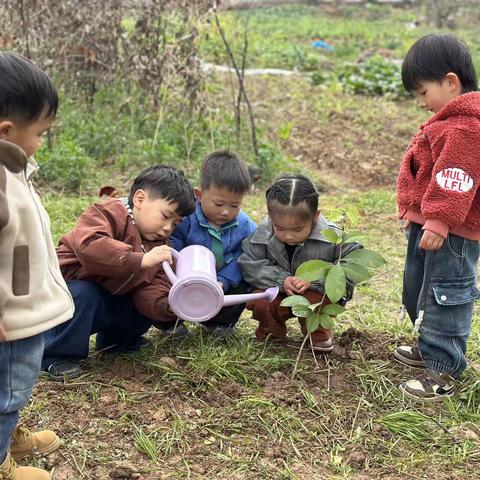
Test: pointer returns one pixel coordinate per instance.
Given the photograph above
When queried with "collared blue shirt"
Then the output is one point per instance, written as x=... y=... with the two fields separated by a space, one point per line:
x=225 y=242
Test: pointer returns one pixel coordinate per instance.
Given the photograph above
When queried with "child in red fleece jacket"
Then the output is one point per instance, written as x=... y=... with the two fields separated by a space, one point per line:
x=439 y=202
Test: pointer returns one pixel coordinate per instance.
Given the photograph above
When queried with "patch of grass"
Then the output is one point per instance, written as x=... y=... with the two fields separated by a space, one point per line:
x=111 y=141
x=172 y=437
x=64 y=212
x=414 y=426
x=146 y=444
x=281 y=37
x=374 y=380
x=205 y=361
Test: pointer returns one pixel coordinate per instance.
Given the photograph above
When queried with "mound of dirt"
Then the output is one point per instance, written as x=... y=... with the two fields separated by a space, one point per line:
x=345 y=148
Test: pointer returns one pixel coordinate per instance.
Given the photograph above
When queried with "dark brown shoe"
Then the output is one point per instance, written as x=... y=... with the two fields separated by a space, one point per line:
x=410 y=356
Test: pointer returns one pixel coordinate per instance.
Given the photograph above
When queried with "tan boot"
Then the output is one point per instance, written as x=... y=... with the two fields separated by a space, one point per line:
x=25 y=443
x=10 y=471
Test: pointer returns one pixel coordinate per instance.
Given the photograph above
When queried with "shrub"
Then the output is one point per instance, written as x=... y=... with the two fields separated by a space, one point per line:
x=64 y=167
x=376 y=76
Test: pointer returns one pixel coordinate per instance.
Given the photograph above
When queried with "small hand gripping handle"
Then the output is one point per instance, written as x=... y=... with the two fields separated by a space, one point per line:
x=168 y=269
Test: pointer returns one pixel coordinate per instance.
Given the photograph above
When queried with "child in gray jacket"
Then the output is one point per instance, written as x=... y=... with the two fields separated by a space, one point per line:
x=291 y=235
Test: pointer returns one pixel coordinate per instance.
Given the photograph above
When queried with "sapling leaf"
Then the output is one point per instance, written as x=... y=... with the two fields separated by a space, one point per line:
x=301 y=311
x=333 y=309
x=355 y=272
x=313 y=270
x=367 y=258
x=313 y=306
x=313 y=321
x=353 y=215
x=353 y=235
x=326 y=321
x=330 y=235
x=335 y=283
x=294 y=300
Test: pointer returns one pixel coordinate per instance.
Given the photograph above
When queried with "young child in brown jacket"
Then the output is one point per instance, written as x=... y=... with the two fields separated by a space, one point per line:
x=112 y=262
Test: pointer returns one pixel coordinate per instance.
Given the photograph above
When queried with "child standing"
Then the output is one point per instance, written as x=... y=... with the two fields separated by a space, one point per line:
x=219 y=224
x=291 y=235
x=33 y=294
x=112 y=262
x=438 y=200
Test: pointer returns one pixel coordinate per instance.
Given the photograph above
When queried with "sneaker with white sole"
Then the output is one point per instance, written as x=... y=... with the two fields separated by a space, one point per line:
x=321 y=345
x=64 y=369
x=430 y=386
x=410 y=356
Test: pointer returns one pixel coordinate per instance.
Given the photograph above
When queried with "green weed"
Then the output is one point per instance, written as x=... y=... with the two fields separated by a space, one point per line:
x=146 y=444
x=414 y=426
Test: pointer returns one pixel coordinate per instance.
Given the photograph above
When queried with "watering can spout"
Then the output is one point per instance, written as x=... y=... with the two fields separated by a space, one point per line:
x=269 y=294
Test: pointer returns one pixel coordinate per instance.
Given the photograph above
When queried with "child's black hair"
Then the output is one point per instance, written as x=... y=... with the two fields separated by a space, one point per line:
x=292 y=195
x=169 y=183
x=224 y=169
x=433 y=56
x=26 y=92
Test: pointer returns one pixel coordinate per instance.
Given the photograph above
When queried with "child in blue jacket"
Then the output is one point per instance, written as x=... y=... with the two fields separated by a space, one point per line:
x=219 y=224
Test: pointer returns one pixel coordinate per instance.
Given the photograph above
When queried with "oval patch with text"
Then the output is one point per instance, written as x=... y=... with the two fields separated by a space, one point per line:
x=454 y=179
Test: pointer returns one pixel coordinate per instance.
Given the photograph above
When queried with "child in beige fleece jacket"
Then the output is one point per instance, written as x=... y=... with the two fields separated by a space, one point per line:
x=33 y=294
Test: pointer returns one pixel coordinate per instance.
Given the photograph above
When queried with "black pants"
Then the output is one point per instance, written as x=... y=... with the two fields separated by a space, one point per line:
x=112 y=317
x=228 y=316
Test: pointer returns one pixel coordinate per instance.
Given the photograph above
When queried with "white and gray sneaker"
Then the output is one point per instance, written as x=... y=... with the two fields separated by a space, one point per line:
x=430 y=386
x=410 y=356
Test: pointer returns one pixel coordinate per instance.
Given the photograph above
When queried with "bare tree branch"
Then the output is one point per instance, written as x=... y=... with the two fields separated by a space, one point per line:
x=241 y=84
x=238 y=109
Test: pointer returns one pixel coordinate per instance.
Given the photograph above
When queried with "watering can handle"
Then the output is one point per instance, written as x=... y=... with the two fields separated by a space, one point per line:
x=168 y=269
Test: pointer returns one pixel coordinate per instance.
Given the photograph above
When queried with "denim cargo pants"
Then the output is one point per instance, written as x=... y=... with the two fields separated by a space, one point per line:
x=442 y=283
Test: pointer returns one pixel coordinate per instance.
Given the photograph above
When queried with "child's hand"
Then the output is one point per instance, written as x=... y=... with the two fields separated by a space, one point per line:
x=3 y=334
x=431 y=241
x=156 y=256
x=288 y=286
x=405 y=225
x=300 y=285
x=295 y=285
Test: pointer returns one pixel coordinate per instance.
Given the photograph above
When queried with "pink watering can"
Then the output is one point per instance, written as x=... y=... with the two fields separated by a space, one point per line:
x=195 y=295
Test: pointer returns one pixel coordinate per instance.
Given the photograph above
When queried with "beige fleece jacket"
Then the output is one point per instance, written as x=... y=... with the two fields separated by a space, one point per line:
x=33 y=294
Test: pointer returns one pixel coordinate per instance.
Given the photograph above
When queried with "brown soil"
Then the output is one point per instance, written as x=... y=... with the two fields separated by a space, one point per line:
x=356 y=143
x=97 y=416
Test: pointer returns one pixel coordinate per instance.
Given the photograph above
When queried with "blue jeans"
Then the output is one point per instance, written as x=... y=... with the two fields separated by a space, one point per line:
x=112 y=317
x=19 y=366
x=442 y=283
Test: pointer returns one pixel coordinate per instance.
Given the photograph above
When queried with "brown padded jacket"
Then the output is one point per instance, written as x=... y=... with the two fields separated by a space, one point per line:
x=105 y=247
